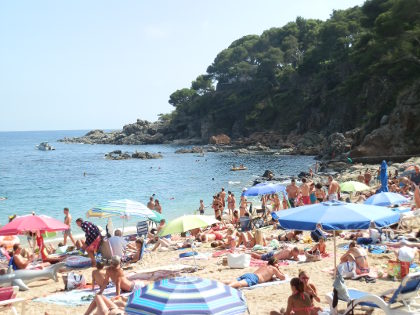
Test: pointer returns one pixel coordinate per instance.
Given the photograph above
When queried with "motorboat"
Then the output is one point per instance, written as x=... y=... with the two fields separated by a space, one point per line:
x=44 y=146
x=239 y=168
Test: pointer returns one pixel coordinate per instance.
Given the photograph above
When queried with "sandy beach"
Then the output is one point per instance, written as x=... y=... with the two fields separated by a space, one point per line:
x=260 y=300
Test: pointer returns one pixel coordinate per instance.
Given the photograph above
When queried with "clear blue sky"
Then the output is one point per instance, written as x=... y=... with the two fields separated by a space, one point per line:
x=101 y=64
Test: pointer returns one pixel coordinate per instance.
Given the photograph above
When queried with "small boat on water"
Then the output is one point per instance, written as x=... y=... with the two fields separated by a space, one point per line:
x=239 y=168
x=44 y=146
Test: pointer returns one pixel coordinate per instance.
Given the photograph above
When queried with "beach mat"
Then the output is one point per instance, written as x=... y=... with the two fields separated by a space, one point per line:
x=76 y=297
x=162 y=272
x=373 y=273
x=267 y=284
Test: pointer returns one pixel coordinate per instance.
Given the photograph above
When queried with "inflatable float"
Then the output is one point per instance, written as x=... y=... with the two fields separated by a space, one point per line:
x=21 y=277
x=9 y=241
x=78 y=262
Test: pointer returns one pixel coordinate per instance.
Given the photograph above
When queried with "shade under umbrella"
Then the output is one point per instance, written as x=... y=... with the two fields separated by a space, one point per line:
x=353 y=186
x=264 y=189
x=386 y=199
x=187 y=223
x=32 y=223
x=186 y=295
x=336 y=215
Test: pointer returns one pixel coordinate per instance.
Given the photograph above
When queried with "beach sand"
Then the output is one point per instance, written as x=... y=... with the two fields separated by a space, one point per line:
x=260 y=300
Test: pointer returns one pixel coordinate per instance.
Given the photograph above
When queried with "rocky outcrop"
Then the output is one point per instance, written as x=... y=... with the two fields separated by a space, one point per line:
x=119 y=155
x=198 y=150
x=221 y=139
x=399 y=134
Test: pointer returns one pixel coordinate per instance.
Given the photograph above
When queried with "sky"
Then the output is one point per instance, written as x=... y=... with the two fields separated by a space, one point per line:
x=75 y=65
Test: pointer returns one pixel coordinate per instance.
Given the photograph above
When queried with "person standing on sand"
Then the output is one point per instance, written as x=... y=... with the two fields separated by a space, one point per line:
x=305 y=191
x=215 y=206
x=292 y=192
x=151 y=204
x=67 y=221
x=333 y=189
x=368 y=177
x=202 y=207
x=231 y=203
x=223 y=197
x=242 y=206
x=93 y=238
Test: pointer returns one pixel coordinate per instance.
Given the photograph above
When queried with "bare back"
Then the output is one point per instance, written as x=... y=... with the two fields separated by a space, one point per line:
x=266 y=273
x=333 y=188
x=292 y=191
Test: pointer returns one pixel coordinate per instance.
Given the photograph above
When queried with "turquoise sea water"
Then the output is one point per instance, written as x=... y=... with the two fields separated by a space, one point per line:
x=46 y=182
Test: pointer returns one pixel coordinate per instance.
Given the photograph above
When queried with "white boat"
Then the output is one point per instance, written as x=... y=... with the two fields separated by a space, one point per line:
x=44 y=146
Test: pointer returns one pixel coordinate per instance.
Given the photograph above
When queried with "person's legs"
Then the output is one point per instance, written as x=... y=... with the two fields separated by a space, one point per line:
x=238 y=284
x=91 y=255
x=65 y=238
x=72 y=238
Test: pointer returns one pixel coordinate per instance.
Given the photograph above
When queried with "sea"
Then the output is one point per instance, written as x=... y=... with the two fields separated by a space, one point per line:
x=78 y=176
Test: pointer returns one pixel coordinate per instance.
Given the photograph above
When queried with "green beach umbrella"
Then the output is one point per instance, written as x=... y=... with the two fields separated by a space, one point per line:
x=353 y=186
x=187 y=223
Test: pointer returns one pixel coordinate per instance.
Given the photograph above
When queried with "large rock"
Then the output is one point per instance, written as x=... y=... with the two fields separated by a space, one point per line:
x=400 y=136
x=119 y=155
x=219 y=139
x=190 y=150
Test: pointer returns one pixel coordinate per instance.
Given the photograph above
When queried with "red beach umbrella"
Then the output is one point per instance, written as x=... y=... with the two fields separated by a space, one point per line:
x=32 y=223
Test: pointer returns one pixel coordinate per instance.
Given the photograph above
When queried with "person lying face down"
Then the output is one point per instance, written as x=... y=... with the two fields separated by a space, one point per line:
x=284 y=254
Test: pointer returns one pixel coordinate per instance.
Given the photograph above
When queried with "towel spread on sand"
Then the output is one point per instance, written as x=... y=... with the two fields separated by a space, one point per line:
x=76 y=297
x=267 y=284
x=373 y=273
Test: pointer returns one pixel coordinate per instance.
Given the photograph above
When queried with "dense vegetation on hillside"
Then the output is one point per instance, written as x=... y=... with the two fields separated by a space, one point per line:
x=308 y=75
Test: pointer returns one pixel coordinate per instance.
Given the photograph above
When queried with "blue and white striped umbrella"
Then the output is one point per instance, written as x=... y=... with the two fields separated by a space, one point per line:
x=186 y=295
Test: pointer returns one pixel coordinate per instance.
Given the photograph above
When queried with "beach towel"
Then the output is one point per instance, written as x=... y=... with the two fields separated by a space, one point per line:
x=77 y=297
x=199 y=256
x=267 y=284
x=373 y=273
x=257 y=263
x=162 y=272
x=221 y=252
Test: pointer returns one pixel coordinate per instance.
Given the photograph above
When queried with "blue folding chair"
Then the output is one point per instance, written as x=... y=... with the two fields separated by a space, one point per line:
x=245 y=224
x=406 y=293
x=142 y=229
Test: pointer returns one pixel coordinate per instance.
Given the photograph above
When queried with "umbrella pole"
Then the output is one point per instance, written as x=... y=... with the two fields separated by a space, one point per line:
x=335 y=256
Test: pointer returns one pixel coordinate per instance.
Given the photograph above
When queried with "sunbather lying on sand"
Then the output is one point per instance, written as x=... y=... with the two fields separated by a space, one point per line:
x=261 y=275
x=106 y=306
x=288 y=236
x=231 y=240
x=403 y=243
x=284 y=254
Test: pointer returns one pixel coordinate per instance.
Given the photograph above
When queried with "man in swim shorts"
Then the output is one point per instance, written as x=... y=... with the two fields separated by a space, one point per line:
x=292 y=192
x=67 y=221
x=333 y=189
x=261 y=275
x=284 y=254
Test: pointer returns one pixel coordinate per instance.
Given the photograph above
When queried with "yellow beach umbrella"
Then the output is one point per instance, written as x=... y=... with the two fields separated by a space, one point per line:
x=353 y=186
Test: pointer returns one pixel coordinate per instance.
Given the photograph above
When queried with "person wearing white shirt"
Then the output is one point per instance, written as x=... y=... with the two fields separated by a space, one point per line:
x=117 y=243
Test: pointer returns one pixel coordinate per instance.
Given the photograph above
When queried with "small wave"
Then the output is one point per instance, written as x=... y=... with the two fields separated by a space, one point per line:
x=233 y=182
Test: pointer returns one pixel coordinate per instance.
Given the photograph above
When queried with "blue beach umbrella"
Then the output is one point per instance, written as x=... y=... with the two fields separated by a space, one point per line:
x=384 y=177
x=336 y=215
x=264 y=189
x=186 y=295
x=386 y=199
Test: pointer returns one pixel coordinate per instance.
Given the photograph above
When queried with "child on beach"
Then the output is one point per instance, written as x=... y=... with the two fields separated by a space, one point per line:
x=98 y=275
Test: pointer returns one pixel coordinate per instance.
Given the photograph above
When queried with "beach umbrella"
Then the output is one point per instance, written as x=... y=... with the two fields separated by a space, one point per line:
x=353 y=186
x=336 y=215
x=386 y=199
x=125 y=208
x=384 y=177
x=186 y=295
x=187 y=223
x=32 y=223
x=264 y=189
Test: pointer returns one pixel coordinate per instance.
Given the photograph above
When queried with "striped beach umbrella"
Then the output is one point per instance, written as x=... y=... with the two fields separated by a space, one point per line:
x=186 y=295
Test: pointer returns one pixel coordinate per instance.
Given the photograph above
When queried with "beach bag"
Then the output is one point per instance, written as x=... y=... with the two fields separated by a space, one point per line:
x=394 y=269
x=238 y=260
x=406 y=254
x=74 y=281
x=347 y=269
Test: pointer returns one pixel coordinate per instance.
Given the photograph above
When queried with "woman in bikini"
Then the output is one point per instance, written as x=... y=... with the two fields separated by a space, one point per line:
x=309 y=287
x=299 y=303
x=106 y=306
x=231 y=203
x=276 y=203
x=358 y=255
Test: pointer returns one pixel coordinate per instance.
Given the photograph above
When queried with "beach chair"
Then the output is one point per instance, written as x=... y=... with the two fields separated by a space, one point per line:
x=142 y=229
x=8 y=299
x=406 y=294
x=245 y=224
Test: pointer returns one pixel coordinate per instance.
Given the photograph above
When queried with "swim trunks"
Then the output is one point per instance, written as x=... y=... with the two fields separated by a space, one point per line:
x=267 y=256
x=67 y=232
x=219 y=236
x=292 y=202
x=95 y=245
x=306 y=200
x=333 y=197
x=250 y=278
